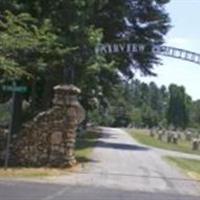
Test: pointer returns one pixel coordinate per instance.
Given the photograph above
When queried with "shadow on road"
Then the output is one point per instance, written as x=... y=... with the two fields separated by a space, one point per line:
x=121 y=146
x=82 y=159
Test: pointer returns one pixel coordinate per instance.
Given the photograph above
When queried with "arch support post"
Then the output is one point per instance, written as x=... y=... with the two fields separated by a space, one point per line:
x=66 y=96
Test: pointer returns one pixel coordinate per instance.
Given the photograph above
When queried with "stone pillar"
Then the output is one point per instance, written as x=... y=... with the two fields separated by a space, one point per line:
x=66 y=97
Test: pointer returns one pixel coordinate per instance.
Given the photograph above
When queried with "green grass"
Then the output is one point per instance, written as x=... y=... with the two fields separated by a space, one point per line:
x=85 y=144
x=189 y=166
x=143 y=137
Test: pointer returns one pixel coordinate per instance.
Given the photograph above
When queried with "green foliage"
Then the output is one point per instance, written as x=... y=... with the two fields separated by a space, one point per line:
x=150 y=117
x=84 y=24
x=136 y=117
x=190 y=166
x=42 y=39
x=25 y=47
x=85 y=144
x=195 y=114
x=144 y=105
x=178 y=109
x=147 y=105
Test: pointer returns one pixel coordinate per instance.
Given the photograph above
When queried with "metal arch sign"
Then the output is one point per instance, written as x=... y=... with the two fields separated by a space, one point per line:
x=178 y=53
x=139 y=48
x=119 y=48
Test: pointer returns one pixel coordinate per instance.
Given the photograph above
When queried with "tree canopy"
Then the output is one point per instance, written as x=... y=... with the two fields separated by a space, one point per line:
x=46 y=42
x=83 y=24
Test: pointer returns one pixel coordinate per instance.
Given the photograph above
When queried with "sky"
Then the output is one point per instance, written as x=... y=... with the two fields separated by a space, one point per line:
x=185 y=34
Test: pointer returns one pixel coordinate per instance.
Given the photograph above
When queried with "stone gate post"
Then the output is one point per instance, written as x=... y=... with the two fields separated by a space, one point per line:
x=66 y=97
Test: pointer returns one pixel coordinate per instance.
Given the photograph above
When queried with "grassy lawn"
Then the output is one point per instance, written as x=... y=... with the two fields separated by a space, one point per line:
x=84 y=146
x=189 y=166
x=143 y=137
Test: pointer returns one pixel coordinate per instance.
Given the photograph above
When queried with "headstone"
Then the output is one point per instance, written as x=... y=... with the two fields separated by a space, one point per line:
x=152 y=132
x=175 y=138
x=161 y=133
x=179 y=135
x=188 y=136
x=169 y=137
x=195 y=144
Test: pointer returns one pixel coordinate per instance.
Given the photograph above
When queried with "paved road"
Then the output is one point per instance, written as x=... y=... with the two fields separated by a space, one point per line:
x=38 y=191
x=120 y=169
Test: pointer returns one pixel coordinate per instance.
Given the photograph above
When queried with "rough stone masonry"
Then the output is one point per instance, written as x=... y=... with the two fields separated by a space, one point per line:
x=49 y=140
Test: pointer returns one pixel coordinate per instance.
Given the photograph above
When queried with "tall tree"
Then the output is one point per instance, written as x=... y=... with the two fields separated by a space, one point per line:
x=195 y=114
x=178 y=110
x=82 y=24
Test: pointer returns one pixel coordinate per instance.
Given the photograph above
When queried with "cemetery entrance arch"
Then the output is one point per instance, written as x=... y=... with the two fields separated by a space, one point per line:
x=160 y=50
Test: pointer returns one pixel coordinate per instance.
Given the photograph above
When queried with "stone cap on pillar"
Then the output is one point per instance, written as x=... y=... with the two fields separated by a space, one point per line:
x=67 y=89
x=65 y=94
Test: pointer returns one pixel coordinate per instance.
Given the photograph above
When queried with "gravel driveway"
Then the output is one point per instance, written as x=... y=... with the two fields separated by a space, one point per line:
x=119 y=162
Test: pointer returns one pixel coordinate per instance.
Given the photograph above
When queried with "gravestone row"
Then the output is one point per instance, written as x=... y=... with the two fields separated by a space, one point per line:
x=172 y=136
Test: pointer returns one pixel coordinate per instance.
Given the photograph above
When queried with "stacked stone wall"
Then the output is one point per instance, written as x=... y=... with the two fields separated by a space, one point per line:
x=49 y=139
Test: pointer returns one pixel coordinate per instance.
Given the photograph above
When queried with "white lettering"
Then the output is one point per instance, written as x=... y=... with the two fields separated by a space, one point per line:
x=101 y=49
x=134 y=48
x=109 y=48
x=141 y=48
x=198 y=59
x=115 y=48
x=128 y=48
x=122 y=47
